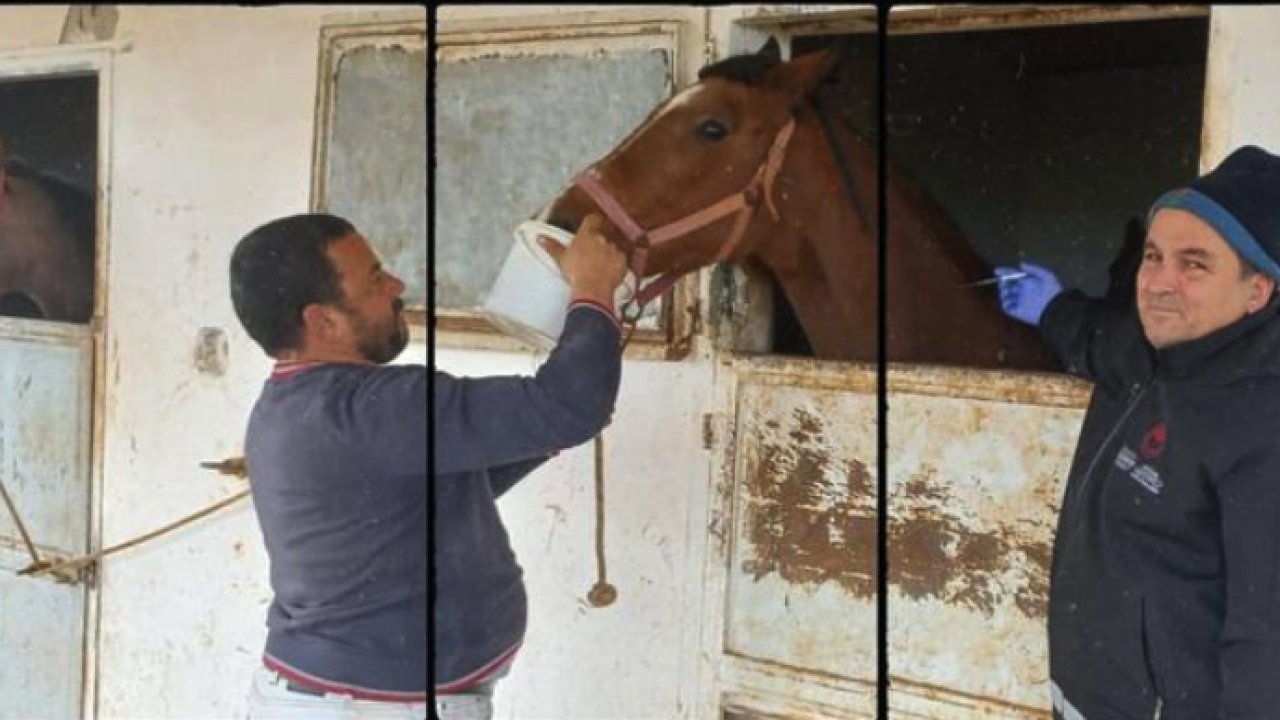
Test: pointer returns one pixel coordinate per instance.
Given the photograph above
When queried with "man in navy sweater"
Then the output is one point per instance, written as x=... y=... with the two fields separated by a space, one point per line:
x=337 y=459
x=491 y=432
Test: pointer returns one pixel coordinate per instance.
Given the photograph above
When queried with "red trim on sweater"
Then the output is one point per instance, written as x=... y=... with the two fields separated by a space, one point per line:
x=356 y=692
x=488 y=670
x=599 y=306
x=286 y=370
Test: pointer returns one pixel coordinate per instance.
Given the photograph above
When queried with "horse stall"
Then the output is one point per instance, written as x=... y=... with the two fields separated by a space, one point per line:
x=740 y=473
x=137 y=145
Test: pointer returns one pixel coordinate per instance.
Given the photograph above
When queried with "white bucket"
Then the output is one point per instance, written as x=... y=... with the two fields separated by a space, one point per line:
x=530 y=297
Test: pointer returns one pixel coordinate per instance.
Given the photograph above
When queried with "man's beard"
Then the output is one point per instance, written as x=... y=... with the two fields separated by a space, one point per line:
x=383 y=347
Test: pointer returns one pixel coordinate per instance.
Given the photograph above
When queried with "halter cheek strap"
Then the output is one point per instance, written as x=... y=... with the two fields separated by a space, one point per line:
x=744 y=203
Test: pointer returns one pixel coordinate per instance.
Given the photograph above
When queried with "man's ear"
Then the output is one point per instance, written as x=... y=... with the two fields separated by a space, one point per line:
x=1261 y=287
x=315 y=318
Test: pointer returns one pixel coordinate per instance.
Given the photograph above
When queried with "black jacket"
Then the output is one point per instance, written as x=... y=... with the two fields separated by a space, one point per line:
x=1164 y=595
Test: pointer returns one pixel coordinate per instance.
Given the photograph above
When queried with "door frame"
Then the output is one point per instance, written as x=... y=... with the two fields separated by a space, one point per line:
x=96 y=58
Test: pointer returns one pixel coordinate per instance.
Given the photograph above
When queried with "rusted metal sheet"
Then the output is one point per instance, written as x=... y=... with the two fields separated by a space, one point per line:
x=801 y=579
x=975 y=464
x=973 y=497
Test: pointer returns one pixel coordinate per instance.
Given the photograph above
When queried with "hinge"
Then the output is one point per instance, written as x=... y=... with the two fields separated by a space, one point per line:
x=708 y=430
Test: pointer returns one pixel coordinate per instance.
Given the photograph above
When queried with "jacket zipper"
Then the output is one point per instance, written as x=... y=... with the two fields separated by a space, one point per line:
x=1138 y=391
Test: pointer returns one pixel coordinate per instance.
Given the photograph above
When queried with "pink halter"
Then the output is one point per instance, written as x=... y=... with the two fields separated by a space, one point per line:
x=744 y=203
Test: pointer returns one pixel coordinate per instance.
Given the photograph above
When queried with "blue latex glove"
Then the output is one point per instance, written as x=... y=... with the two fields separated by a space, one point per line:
x=1025 y=298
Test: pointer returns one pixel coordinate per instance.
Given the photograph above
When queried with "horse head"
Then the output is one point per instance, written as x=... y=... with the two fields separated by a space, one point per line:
x=46 y=245
x=686 y=187
x=744 y=165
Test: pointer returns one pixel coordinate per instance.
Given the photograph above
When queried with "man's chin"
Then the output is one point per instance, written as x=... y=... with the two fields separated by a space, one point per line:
x=1158 y=330
x=1162 y=337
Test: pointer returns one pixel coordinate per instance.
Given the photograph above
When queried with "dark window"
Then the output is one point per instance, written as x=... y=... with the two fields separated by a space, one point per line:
x=1040 y=143
x=48 y=146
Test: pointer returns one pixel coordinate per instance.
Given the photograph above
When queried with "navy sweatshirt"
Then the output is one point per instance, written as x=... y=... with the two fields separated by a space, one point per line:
x=489 y=433
x=337 y=460
x=1165 y=592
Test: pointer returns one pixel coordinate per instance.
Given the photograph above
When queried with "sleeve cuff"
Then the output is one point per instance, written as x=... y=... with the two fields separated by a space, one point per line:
x=608 y=312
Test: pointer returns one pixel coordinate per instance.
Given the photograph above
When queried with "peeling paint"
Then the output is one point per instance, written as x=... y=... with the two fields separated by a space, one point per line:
x=810 y=528
x=972 y=497
x=804 y=526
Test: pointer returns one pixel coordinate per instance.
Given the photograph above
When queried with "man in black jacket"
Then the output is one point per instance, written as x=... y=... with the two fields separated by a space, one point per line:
x=1165 y=593
x=491 y=432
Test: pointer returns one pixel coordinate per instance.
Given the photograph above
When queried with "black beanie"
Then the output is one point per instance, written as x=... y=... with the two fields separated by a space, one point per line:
x=1240 y=199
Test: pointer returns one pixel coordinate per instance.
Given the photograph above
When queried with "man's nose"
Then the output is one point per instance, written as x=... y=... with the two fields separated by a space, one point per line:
x=396 y=285
x=1158 y=279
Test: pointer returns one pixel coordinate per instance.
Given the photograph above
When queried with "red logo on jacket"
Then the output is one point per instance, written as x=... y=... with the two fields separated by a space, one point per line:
x=1152 y=445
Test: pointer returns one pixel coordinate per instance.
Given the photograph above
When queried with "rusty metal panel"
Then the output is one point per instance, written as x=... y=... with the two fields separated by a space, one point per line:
x=974 y=487
x=976 y=460
x=801 y=577
x=45 y=411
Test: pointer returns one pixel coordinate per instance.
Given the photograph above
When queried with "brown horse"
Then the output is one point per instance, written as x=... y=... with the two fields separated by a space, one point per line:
x=684 y=190
x=46 y=245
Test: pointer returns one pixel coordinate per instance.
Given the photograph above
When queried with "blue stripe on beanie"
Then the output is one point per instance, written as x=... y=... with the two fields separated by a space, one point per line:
x=1223 y=222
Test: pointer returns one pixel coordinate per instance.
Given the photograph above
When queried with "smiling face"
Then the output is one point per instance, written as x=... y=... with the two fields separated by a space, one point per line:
x=1191 y=282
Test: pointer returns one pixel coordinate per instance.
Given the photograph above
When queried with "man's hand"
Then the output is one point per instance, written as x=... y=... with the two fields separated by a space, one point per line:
x=593 y=266
x=1026 y=297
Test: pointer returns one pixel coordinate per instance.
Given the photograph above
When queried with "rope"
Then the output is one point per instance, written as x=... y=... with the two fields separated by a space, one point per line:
x=64 y=568
x=17 y=520
x=44 y=568
x=602 y=594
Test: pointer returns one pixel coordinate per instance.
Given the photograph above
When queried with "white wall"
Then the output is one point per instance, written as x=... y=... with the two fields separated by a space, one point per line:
x=211 y=134
x=634 y=659
x=1242 y=90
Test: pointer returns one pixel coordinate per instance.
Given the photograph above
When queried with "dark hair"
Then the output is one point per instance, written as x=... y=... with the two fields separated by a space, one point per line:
x=1247 y=268
x=278 y=269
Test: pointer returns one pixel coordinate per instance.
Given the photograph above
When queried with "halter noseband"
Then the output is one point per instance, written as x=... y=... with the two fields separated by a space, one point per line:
x=744 y=203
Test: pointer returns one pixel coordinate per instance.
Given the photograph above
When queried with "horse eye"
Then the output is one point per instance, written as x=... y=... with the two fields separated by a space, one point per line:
x=712 y=130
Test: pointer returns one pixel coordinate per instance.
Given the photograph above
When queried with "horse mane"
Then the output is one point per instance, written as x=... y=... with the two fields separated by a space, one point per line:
x=953 y=243
x=72 y=202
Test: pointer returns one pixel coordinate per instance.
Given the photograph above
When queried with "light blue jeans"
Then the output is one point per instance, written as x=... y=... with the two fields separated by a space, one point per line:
x=271 y=700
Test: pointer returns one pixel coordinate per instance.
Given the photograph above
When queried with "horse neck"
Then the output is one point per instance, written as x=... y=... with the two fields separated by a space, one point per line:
x=824 y=252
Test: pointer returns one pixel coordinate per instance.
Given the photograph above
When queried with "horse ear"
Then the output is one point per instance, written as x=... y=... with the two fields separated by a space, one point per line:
x=801 y=76
x=770 y=52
